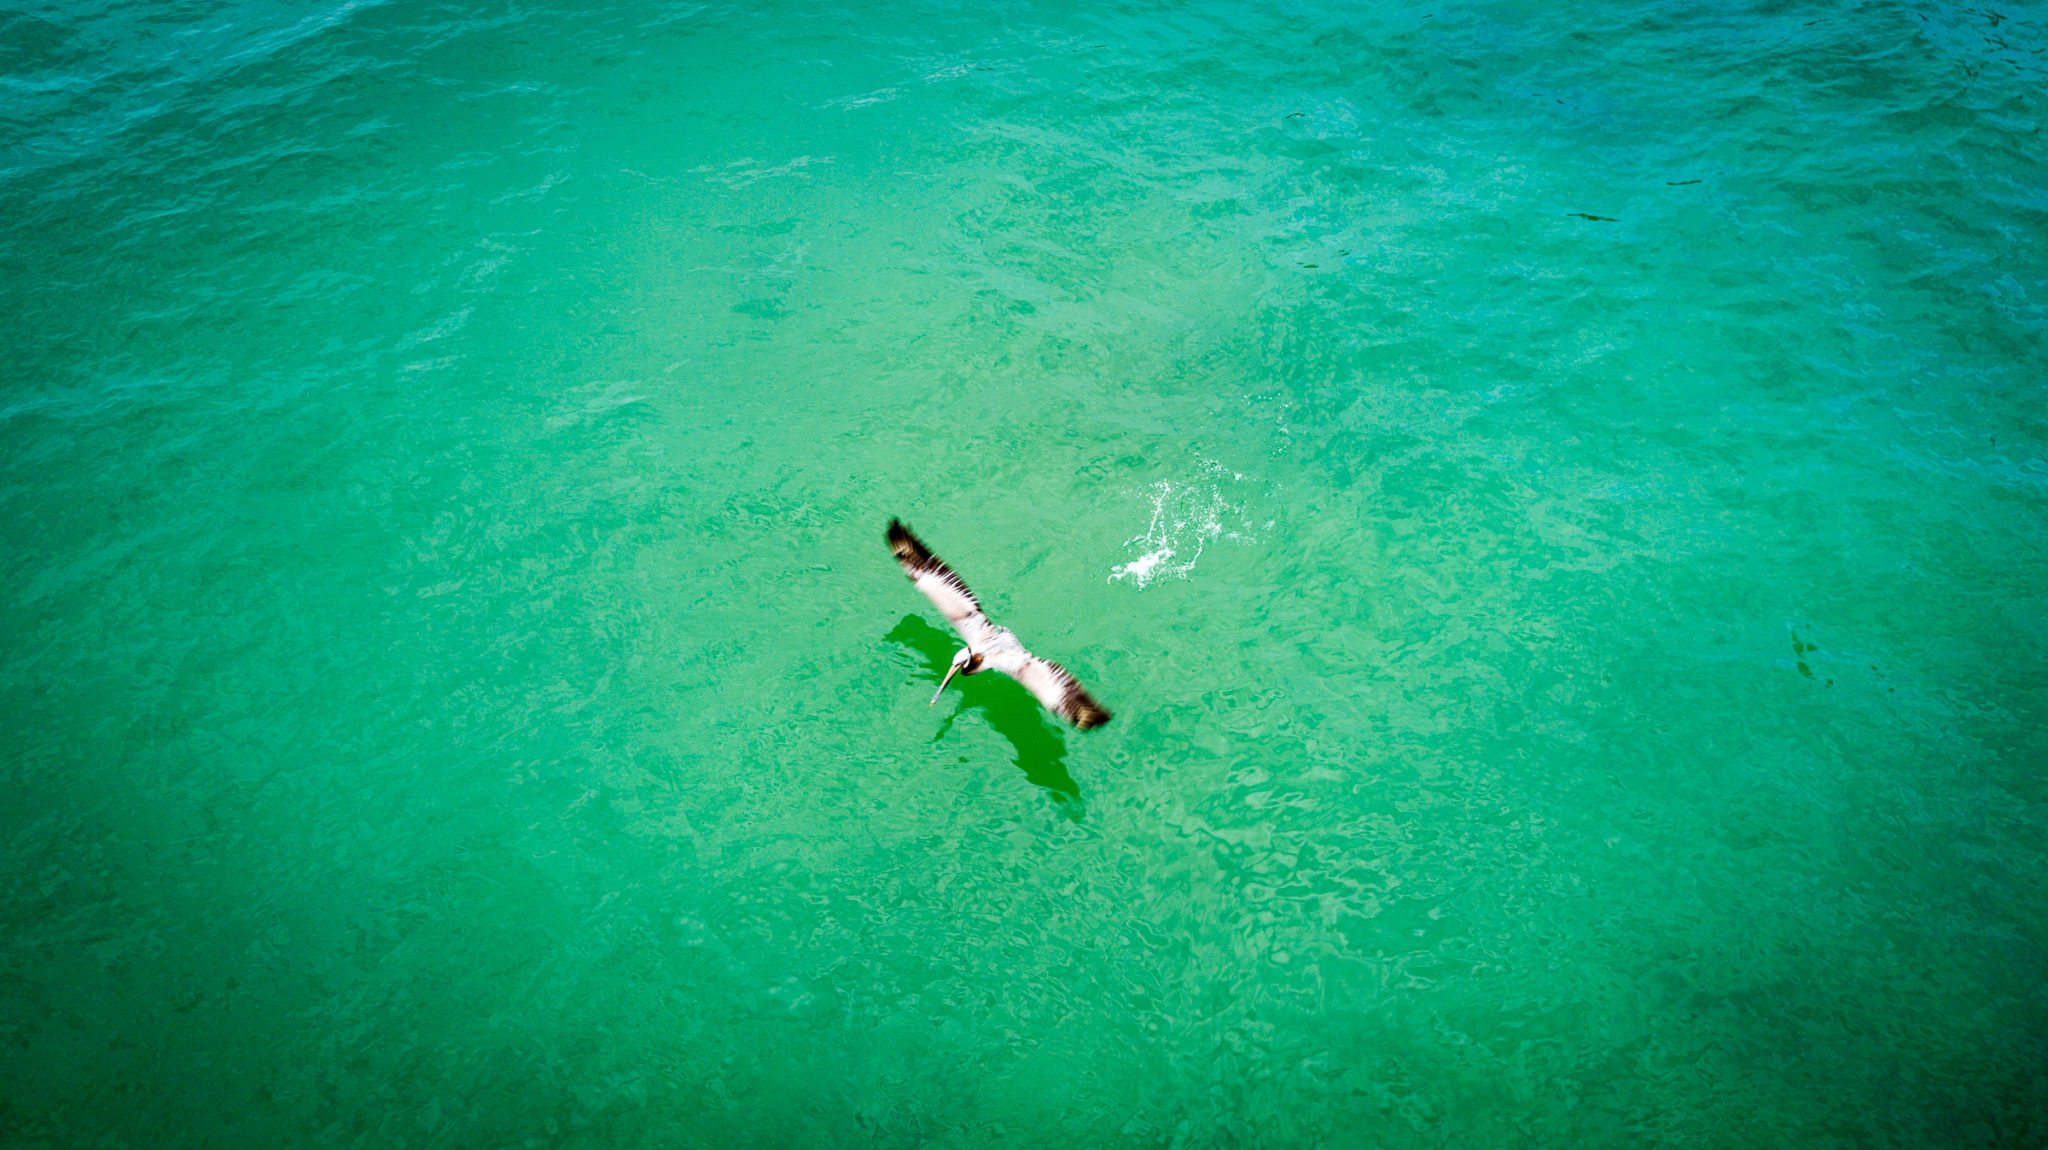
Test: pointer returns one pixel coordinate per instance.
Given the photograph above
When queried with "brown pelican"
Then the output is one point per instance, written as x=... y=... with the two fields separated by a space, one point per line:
x=987 y=644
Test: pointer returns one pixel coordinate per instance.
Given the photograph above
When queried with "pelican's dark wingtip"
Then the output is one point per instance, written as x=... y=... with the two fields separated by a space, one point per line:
x=1075 y=704
x=1089 y=714
x=907 y=547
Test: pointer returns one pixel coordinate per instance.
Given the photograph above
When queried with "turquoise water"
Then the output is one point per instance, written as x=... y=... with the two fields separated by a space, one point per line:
x=1556 y=496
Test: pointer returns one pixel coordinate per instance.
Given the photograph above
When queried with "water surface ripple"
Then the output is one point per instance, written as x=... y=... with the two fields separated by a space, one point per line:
x=1555 y=498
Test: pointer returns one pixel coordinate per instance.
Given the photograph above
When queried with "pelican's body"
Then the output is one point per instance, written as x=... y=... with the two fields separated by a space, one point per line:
x=987 y=644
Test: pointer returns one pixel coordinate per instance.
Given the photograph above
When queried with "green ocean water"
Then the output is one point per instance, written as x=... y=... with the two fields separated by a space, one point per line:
x=1556 y=497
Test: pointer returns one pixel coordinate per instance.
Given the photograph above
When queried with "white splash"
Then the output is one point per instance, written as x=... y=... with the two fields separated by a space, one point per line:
x=1142 y=567
x=1185 y=519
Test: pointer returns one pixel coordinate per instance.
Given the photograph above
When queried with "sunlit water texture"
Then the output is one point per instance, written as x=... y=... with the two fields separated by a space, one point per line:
x=1555 y=495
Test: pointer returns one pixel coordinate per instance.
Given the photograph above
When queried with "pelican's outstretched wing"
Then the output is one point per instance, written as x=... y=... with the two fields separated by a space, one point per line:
x=939 y=584
x=1061 y=693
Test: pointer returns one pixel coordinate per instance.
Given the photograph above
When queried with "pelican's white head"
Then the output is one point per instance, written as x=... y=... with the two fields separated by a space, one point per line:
x=965 y=662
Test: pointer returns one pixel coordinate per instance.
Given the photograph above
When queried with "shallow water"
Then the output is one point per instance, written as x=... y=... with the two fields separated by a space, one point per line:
x=1554 y=497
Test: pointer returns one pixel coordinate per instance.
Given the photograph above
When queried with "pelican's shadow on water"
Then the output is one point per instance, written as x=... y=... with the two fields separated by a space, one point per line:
x=1008 y=707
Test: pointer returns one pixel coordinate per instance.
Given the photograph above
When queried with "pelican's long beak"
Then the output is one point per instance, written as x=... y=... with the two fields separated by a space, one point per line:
x=950 y=672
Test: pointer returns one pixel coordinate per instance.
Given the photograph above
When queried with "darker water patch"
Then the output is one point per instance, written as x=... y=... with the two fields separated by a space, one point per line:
x=1799 y=651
